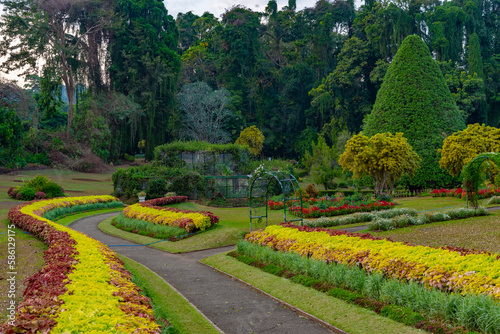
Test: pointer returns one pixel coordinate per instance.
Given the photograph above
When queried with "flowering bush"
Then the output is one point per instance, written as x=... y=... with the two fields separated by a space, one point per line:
x=40 y=195
x=316 y=211
x=80 y=273
x=189 y=220
x=447 y=192
x=449 y=269
x=461 y=193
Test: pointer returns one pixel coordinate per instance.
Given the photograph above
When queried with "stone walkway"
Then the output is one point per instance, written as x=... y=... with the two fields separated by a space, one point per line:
x=231 y=305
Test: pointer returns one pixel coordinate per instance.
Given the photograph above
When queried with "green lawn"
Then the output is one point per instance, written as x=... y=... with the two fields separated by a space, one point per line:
x=348 y=317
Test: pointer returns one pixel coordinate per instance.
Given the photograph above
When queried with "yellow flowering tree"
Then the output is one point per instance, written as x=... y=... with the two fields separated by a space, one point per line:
x=462 y=146
x=253 y=138
x=384 y=156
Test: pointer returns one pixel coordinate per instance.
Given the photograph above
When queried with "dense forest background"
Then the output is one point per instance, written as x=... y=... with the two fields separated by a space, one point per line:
x=135 y=77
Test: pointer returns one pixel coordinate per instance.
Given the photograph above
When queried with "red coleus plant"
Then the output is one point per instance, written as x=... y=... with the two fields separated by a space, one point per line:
x=41 y=303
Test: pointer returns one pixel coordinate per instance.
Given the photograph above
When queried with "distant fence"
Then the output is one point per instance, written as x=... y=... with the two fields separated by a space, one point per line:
x=230 y=186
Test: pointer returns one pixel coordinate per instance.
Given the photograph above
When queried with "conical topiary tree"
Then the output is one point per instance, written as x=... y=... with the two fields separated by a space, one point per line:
x=414 y=99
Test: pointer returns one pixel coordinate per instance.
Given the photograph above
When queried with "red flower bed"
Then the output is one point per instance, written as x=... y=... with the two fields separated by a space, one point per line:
x=490 y=191
x=41 y=301
x=316 y=212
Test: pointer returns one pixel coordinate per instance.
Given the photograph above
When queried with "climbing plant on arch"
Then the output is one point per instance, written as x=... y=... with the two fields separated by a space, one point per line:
x=472 y=177
x=264 y=186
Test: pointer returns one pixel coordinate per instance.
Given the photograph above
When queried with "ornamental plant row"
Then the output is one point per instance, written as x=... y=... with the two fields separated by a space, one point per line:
x=187 y=219
x=447 y=269
x=461 y=193
x=83 y=287
x=316 y=212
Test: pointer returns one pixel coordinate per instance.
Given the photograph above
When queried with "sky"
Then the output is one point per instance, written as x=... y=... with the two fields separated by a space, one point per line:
x=218 y=7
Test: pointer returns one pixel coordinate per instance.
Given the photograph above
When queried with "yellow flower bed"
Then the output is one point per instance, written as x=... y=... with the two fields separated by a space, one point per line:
x=444 y=269
x=92 y=304
x=189 y=221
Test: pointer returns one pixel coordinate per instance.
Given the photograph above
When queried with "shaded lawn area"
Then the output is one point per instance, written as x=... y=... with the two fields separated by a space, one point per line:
x=73 y=183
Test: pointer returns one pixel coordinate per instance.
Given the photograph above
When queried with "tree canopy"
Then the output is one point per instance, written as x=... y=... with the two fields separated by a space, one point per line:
x=385 y=157
x=415 y=100
x=462 y=146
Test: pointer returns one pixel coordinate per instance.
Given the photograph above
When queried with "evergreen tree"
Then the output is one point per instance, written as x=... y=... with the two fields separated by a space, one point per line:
x=415 y=100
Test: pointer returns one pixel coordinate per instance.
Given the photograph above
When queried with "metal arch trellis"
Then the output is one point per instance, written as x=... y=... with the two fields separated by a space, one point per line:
x=259 y=190
x=472 y=177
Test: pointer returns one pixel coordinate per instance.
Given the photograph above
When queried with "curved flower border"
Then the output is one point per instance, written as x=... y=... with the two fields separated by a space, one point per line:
x=152 y=211
x=61 y=297
x=449 y=269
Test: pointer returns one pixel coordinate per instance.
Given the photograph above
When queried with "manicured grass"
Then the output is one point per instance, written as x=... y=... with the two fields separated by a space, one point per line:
x=71 y=218
x=348 y=317
x=233 y=217
x=481 y=233
x=429 y=203
x=215 y=237
x=167 y=302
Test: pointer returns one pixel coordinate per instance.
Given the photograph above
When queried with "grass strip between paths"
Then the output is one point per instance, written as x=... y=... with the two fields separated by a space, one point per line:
x=347 y=317
x=213 y=238
x=71 y=218
x=167 y=302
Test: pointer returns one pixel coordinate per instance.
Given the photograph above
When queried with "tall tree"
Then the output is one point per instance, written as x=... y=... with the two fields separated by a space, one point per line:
x=37 y=30
x=415 y=100
x=146 y=65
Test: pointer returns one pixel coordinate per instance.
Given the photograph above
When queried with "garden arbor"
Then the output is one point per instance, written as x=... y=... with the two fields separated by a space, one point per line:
x=472 y=175
x=269 y=184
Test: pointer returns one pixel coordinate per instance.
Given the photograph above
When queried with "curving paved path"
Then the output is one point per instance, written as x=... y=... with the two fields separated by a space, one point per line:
x=231 y=305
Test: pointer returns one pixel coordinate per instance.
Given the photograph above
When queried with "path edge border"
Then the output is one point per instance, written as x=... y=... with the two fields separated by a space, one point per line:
x=287 y=305
x=180 y=294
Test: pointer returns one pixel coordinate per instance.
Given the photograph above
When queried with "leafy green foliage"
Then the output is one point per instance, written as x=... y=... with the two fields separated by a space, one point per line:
x=462 y=146
x=145 y=65
x=415 y=100
x=205 y=156
x=11 y=135
x=253 y=138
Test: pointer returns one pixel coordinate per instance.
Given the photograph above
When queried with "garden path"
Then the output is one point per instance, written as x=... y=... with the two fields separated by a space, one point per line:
x=231 y=305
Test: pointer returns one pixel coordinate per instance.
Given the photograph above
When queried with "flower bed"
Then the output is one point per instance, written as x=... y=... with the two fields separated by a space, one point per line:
x=331 y=206
x=487 y=192
x=151 y=211
x=83 y=286
x=316 y=212
x=448 y=269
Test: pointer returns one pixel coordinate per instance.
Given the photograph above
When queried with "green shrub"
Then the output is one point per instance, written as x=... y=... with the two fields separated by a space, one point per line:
x=246 y=259
x=26 y=193
x=128 y=182
x=156 y=188
x=52 y=190
x=402 y=314
x=345 y=295
x=168 y=154
x=305 y=280
x=191 y=184
x=272 y=269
